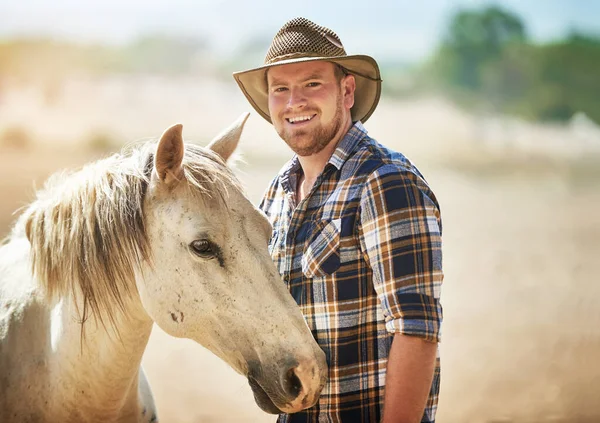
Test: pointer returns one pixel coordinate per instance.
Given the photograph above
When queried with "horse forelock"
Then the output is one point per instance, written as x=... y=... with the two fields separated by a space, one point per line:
x=87 y=229
x=207 y=173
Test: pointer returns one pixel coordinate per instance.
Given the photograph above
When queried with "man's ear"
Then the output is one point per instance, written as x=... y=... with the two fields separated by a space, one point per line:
x=348 y=88
x=169 y=155
x=226 y=142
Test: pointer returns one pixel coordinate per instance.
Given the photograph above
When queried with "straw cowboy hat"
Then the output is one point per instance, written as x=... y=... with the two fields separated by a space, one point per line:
x=301 y=40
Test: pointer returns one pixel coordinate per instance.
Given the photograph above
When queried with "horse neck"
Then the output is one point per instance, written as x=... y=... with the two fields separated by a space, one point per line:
x=100 y=370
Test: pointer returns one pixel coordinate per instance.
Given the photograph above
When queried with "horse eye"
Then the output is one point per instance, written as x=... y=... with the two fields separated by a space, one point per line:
x=203 y=248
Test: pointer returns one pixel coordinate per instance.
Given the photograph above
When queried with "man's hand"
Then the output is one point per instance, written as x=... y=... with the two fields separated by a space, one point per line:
x=408 y=379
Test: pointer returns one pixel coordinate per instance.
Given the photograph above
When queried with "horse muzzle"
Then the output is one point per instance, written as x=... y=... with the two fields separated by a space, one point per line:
x=289 y=388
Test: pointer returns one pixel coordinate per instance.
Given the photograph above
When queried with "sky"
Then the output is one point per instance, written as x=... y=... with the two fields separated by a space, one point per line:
x=404 y=30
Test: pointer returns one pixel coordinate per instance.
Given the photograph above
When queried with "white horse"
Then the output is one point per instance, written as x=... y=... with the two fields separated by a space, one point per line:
x=163 y=234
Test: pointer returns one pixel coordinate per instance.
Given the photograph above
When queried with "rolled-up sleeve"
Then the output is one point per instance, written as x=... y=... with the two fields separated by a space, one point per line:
x=400 y=233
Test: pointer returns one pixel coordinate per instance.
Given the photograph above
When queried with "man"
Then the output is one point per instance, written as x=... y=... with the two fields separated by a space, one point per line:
x=357 y=231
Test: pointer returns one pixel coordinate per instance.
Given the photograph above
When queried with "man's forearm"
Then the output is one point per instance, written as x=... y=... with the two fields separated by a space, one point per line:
x=408 y=379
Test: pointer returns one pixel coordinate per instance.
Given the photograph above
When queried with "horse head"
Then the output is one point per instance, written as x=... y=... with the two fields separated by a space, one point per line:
x=211 y=279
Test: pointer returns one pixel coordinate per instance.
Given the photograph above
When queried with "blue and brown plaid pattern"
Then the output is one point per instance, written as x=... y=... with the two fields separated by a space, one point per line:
x=362 y=257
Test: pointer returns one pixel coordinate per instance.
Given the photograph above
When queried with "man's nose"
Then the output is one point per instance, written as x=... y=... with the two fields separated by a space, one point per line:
x=297 y=99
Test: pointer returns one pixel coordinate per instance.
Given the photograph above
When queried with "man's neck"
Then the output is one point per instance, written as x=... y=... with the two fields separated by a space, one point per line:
x=313 y=165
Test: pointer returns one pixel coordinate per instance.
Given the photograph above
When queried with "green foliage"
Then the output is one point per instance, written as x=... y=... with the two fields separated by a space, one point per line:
x=476 y=38
x=485 y=61
x=567 y=77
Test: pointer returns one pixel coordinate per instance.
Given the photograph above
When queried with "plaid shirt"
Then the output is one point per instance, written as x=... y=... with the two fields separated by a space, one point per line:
x=361 y=255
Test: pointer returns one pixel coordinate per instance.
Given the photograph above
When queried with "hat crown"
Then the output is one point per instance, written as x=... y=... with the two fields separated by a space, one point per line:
x=300 y=37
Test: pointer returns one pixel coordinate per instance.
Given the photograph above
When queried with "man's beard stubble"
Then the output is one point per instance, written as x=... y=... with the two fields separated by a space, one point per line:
x=321 y=136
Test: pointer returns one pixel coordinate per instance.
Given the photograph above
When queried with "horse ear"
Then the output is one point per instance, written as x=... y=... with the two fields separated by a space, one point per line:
x=226 y=142
x=169 y=155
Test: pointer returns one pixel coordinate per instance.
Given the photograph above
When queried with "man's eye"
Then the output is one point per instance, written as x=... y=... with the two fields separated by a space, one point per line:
x=313 y=84
x=203 y=248
x=280 y=89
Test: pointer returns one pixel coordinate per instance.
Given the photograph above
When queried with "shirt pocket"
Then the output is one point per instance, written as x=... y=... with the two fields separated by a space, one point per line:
x=322 y=253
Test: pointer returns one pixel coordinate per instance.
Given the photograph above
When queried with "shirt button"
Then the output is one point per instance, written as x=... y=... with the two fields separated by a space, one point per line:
x=286 y=278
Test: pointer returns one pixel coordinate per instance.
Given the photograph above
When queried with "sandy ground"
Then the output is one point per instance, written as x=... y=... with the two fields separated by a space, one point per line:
x=521 y=336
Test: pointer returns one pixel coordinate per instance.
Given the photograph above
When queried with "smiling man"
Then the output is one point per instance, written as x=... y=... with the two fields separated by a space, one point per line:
x=357 y=231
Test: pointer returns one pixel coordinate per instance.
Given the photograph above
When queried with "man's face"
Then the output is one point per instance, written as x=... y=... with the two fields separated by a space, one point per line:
x=308 y=104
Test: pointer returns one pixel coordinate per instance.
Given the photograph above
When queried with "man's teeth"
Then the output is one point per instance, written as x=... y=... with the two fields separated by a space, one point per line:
x=299 y=119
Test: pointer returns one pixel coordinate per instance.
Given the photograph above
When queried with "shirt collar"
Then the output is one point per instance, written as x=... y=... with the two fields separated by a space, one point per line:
x=347 y=145
x=288 y=176
x=289 y=173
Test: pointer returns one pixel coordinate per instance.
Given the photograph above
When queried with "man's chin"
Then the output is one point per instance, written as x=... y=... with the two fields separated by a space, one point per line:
x=302 y=151
x=305 y=148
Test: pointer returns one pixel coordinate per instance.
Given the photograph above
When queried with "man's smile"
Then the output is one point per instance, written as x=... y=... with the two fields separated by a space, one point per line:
x=299 y=120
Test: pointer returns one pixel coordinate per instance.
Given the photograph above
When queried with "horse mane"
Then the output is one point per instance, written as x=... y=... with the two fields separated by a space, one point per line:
x=87 y=229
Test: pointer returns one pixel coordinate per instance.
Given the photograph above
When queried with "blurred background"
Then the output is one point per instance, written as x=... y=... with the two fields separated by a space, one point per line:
x=497 y=104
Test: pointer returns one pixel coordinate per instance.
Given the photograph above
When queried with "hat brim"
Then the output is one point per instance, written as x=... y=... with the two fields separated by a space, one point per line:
x=364 y=68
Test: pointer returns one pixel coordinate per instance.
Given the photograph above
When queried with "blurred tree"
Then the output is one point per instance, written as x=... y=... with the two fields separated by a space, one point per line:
x=570 y=70
x=485 y=62
x=474 y=38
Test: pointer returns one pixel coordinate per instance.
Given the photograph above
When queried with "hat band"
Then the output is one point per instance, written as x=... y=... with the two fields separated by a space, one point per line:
x=292 y=56
x=296 y=56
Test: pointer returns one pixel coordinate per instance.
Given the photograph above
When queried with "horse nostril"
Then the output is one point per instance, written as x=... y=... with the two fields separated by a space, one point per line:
x=291 y=383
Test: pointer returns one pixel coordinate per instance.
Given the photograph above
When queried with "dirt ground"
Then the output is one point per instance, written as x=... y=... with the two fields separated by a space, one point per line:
x=521 y=336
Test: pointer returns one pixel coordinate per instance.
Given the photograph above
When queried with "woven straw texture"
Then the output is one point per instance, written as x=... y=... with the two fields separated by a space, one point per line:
x=301 y=37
